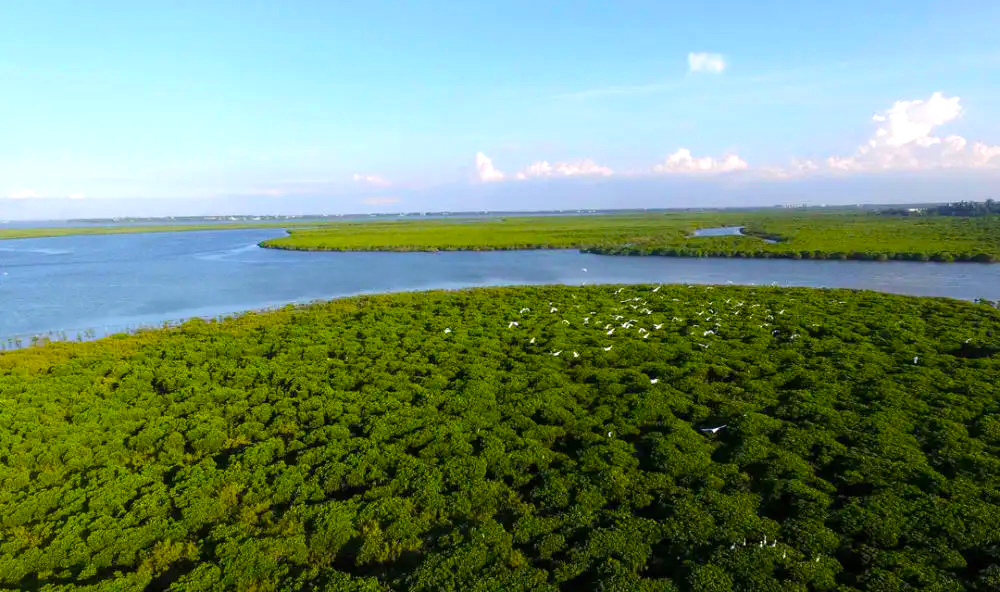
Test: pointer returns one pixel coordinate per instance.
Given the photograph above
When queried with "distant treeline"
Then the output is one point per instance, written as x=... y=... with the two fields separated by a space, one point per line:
x=958 y=208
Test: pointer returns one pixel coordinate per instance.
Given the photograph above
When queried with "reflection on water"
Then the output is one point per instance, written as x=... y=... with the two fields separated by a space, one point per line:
x=116 y=282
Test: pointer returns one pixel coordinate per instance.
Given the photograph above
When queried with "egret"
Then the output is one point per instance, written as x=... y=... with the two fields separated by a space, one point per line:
x=557 y=353
x=611 y=330
x=553 y=309
x=654 y=380
x=576 y=355
x=709 y=332
x=565 y=321
x=586 y=320
x=704 y=345
x=513 y=324
x=784 y=554
x=532 y=340
x=677 y=320
x=448 y=330
x=645 y=336
x=609 y=434
x=606 y=348
x=524 y=310
x=916 y=359
x=657 y=327
x=656 y=289
x=713 y=430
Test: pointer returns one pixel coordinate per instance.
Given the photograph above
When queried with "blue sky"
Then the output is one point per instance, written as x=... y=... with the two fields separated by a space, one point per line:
x=385 y=105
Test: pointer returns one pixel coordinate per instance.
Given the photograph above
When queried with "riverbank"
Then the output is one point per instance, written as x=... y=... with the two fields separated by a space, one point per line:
x=819 y=234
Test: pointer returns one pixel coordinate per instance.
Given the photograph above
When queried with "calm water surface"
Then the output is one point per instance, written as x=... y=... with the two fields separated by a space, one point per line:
x=116 y=282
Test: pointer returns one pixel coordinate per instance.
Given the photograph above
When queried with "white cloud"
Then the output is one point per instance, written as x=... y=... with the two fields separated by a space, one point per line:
x=903 y=140
x=586 y=168
x=487 y=172
x=76 y=196
x=682 y=161
x=713 y=63
x=380 y=201
x=23 y=194
x=371 y=180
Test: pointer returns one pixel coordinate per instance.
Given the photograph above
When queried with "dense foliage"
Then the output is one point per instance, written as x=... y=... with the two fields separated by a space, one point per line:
x=812 y=234
x=959 y=208
x=546 y=438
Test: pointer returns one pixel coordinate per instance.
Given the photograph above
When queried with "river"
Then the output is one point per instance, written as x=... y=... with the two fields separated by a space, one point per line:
x=111 y=283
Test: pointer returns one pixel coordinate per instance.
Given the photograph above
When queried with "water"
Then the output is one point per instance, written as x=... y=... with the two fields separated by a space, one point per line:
x=726 y=231
x=114 y=283
x=720 y=231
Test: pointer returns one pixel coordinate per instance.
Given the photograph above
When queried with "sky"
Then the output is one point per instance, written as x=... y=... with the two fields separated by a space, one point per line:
x=205 y=107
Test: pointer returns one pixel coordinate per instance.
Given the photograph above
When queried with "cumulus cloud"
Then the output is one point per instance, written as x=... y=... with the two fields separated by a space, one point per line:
x=904 y=139
x=712 y=63
x=582 y=168
x=371 y=180
x=487 y=172
x=23 y=194
x=380 y=201
x=682 y=161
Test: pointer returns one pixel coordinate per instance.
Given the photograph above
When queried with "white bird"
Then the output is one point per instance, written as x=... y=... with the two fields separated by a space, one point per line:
x=565 y=321
x=584 y=269
x=611 y=330
x=645 y=336
x=709 y=332
x=448 y=330
x=532 y=340
x=784 y=554
x=916 y=359
x=657 y=327
x=782 y=311
x=609 y=434
x=713 y=430
x=704 y=345
x=557 y=353
x=656 y=289
x=524 y=310
x=794 y=335
x=654 y=380
x=553 y=309
x=607 y=348
x=576 y=355
x=586 y=320
x=513 y=324
x=677 y=320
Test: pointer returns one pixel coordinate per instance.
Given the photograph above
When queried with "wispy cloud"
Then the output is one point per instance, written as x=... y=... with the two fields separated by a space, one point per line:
x=23 y=194
x=380 y=200
x=625 y=90
x=713 y=63
x=581 y=168
x=682 y=161
x=371 y=180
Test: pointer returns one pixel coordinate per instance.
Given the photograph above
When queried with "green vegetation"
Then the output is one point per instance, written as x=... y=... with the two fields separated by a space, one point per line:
x=811 y=234
x=12 y=233
x=360 y=445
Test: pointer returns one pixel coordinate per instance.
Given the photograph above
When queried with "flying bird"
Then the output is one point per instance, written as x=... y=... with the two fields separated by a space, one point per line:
x=532 y=340
x=606 y=348
x=557 y=353
x=513 y=324
x=448 y=330
x=576 y=355
x=654 y=380
x=713 y=430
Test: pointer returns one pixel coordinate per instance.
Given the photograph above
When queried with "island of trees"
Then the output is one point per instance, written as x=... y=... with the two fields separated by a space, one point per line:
x=791 y=234
x=546 y=438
